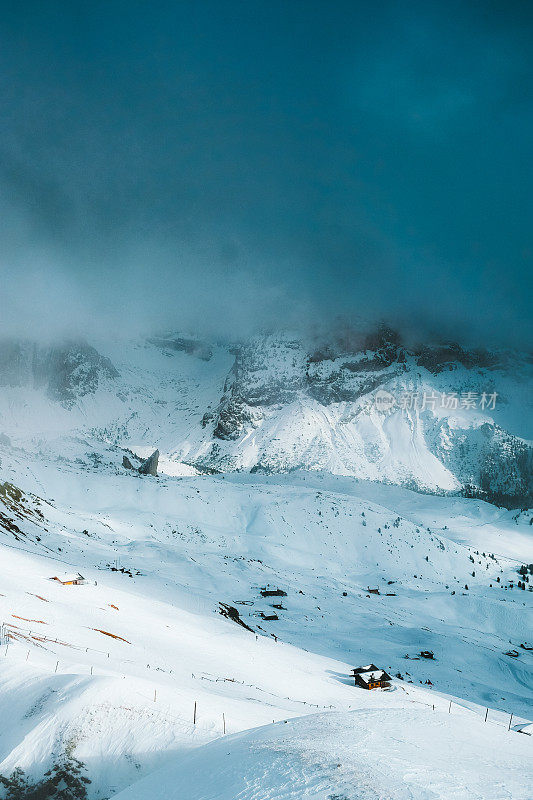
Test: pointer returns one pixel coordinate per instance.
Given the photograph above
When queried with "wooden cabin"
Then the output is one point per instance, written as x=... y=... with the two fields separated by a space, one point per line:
x=370 y=677
x=266 y=592
x=70 y=580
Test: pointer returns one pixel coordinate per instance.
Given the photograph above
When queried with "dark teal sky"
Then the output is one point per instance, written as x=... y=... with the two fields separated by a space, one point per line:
x=234 y=164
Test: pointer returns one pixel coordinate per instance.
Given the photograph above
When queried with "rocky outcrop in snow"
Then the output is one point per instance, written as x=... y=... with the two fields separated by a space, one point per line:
x=149 y=467
x=65 y=371
x=489 y=462
x=146 y=467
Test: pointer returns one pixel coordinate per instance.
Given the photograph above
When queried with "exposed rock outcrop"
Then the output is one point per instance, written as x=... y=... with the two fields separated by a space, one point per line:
x=489 y=462
x=65 y=371
x=126 y=463
x=149 y=467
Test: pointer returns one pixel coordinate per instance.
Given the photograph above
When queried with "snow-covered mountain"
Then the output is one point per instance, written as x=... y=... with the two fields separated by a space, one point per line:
x=433 y=418
x=376 y=410
x=280 y=467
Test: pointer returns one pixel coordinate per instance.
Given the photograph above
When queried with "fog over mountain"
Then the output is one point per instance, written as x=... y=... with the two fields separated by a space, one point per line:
x=234 y=168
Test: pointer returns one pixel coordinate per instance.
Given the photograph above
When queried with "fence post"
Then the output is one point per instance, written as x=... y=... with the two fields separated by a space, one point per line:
x=510 y=720
x=486 y=714
x=194 y=714
x=450 y=707
x=57 y=664
x=224 y=723
x=155 y=695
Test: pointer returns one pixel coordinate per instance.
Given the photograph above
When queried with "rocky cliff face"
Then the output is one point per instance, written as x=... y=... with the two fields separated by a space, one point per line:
x=267 y=372
x=291 y=404
x=490 y=463
x=65 y=371
x=273 y=371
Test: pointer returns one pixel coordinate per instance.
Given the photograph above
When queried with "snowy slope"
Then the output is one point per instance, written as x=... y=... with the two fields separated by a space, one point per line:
x=405 y=754
x=124 y=706
x=109 y=672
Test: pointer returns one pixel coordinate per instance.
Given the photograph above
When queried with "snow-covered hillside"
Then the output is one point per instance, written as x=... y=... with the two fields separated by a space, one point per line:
x=135 y=650
x=401 y=753
x=170 y=643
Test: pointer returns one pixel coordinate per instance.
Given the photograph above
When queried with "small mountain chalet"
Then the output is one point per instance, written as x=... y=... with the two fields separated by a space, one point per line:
x=73 y=579
x=371 y=677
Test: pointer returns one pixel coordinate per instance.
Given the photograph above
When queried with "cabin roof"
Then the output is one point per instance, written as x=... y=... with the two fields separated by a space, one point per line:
x=373 y=675
x=359 y=670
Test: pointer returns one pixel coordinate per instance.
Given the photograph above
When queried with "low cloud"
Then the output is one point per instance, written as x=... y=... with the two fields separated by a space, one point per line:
x=227 y=173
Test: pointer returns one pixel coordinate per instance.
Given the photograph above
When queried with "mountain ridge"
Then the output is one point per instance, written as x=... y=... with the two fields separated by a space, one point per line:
x=435 y=417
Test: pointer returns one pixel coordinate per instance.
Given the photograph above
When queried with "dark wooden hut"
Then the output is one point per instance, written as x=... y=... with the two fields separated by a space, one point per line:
x=370 y=677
